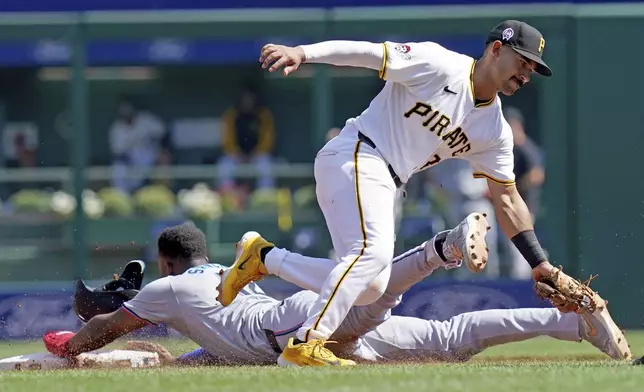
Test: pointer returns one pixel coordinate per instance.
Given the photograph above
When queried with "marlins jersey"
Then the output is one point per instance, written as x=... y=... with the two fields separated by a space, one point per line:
x=188 y=304
x=426 y=112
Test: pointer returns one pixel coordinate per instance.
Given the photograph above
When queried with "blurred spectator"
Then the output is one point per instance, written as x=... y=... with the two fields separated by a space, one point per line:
x=530 y=175
x=20 y=141
x=136 y=141
x=248 y=137
x=23 y=148
x=25 y=153
x=528 y=162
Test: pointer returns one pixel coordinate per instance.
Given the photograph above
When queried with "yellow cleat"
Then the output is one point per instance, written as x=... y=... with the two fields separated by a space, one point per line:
x=248 y=266
x=311 y=353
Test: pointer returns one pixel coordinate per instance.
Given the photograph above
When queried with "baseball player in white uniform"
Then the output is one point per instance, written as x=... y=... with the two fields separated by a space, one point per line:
x=436 y=104
x=255 y=328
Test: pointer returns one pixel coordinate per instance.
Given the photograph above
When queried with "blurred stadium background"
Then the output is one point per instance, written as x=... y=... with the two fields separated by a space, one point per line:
x=153 y=112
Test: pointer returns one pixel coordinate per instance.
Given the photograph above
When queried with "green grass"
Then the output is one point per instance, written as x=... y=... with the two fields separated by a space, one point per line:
x=536 y=365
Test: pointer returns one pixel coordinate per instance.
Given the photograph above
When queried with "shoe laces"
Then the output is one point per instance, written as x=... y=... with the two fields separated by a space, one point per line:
x=320 y=351
x=585 y=282
x=585 y=287
x=454 y=251
x=590 y=279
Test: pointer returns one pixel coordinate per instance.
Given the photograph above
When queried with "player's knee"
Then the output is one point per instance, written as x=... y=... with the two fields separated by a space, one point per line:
x=376 y=288
x=380 y=255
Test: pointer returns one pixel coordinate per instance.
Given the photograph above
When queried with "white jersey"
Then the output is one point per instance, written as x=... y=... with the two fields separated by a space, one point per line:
x=427 y=112
x=188 y=304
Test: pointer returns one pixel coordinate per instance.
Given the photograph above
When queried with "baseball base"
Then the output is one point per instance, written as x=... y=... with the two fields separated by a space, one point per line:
x=94 y=359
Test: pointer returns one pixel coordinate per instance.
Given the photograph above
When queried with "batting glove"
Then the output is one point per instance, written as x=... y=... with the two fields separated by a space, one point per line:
x=56 y=343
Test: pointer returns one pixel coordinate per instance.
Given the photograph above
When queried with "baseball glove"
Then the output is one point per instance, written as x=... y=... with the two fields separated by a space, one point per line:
x=568 y=294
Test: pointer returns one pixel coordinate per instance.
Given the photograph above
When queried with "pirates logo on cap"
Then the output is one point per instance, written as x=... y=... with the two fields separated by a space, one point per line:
x=507 y=34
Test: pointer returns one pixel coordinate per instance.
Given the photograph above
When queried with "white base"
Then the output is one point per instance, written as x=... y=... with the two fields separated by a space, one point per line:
x=284 y=363
x=93 y=359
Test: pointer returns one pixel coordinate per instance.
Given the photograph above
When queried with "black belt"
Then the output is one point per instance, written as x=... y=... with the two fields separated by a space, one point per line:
x=272 y=340
x=370 y=143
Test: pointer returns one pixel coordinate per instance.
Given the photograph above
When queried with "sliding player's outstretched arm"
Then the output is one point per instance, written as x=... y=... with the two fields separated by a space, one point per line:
x=150 y=306
x=100 y=331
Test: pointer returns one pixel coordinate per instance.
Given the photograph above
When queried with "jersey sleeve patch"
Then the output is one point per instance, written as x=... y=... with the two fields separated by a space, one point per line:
x=413 y=63
x=403 y=51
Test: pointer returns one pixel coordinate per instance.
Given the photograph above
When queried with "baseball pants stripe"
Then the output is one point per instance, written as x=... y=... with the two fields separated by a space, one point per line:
x=364 y=240
x=361 y=222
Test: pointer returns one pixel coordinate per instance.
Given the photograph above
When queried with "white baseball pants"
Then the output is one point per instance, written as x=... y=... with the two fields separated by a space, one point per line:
x=287 y=318
x=356 y=194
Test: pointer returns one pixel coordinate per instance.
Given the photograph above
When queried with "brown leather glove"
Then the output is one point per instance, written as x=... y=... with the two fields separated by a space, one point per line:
x=568 y=294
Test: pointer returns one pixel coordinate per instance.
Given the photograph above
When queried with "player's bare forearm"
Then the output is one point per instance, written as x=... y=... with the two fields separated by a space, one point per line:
x=102 y=330
x=511 y=211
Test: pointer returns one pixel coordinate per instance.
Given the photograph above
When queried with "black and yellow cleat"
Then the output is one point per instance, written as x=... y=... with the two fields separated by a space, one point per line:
x=311 y=353
x=248 y=266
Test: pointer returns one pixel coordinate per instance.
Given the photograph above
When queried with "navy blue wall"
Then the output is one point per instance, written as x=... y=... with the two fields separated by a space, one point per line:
x=78 y=5
x=179 y=51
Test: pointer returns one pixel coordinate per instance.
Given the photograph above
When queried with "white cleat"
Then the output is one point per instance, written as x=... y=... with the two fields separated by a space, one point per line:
x=599 y=329
x=467 y=242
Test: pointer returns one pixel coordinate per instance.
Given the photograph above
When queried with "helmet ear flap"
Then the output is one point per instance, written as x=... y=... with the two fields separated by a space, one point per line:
x=81 y=294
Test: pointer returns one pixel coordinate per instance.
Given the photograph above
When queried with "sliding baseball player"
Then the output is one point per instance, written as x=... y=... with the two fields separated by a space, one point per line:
x=255 y=328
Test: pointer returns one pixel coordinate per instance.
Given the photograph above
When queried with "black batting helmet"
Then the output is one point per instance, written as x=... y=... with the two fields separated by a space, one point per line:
x=89 y=302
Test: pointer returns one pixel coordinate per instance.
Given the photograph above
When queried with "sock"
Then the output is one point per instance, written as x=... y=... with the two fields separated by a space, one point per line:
x=438 y=244
x=264 y=251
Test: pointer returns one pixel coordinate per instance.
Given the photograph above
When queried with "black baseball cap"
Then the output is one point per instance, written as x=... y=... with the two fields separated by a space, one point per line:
x=523 y=39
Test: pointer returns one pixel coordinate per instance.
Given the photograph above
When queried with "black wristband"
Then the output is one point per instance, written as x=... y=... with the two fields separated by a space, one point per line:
x=527 y=243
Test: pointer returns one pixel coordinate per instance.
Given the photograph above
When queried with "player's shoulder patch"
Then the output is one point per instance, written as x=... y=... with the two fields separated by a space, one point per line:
x=403 y=51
